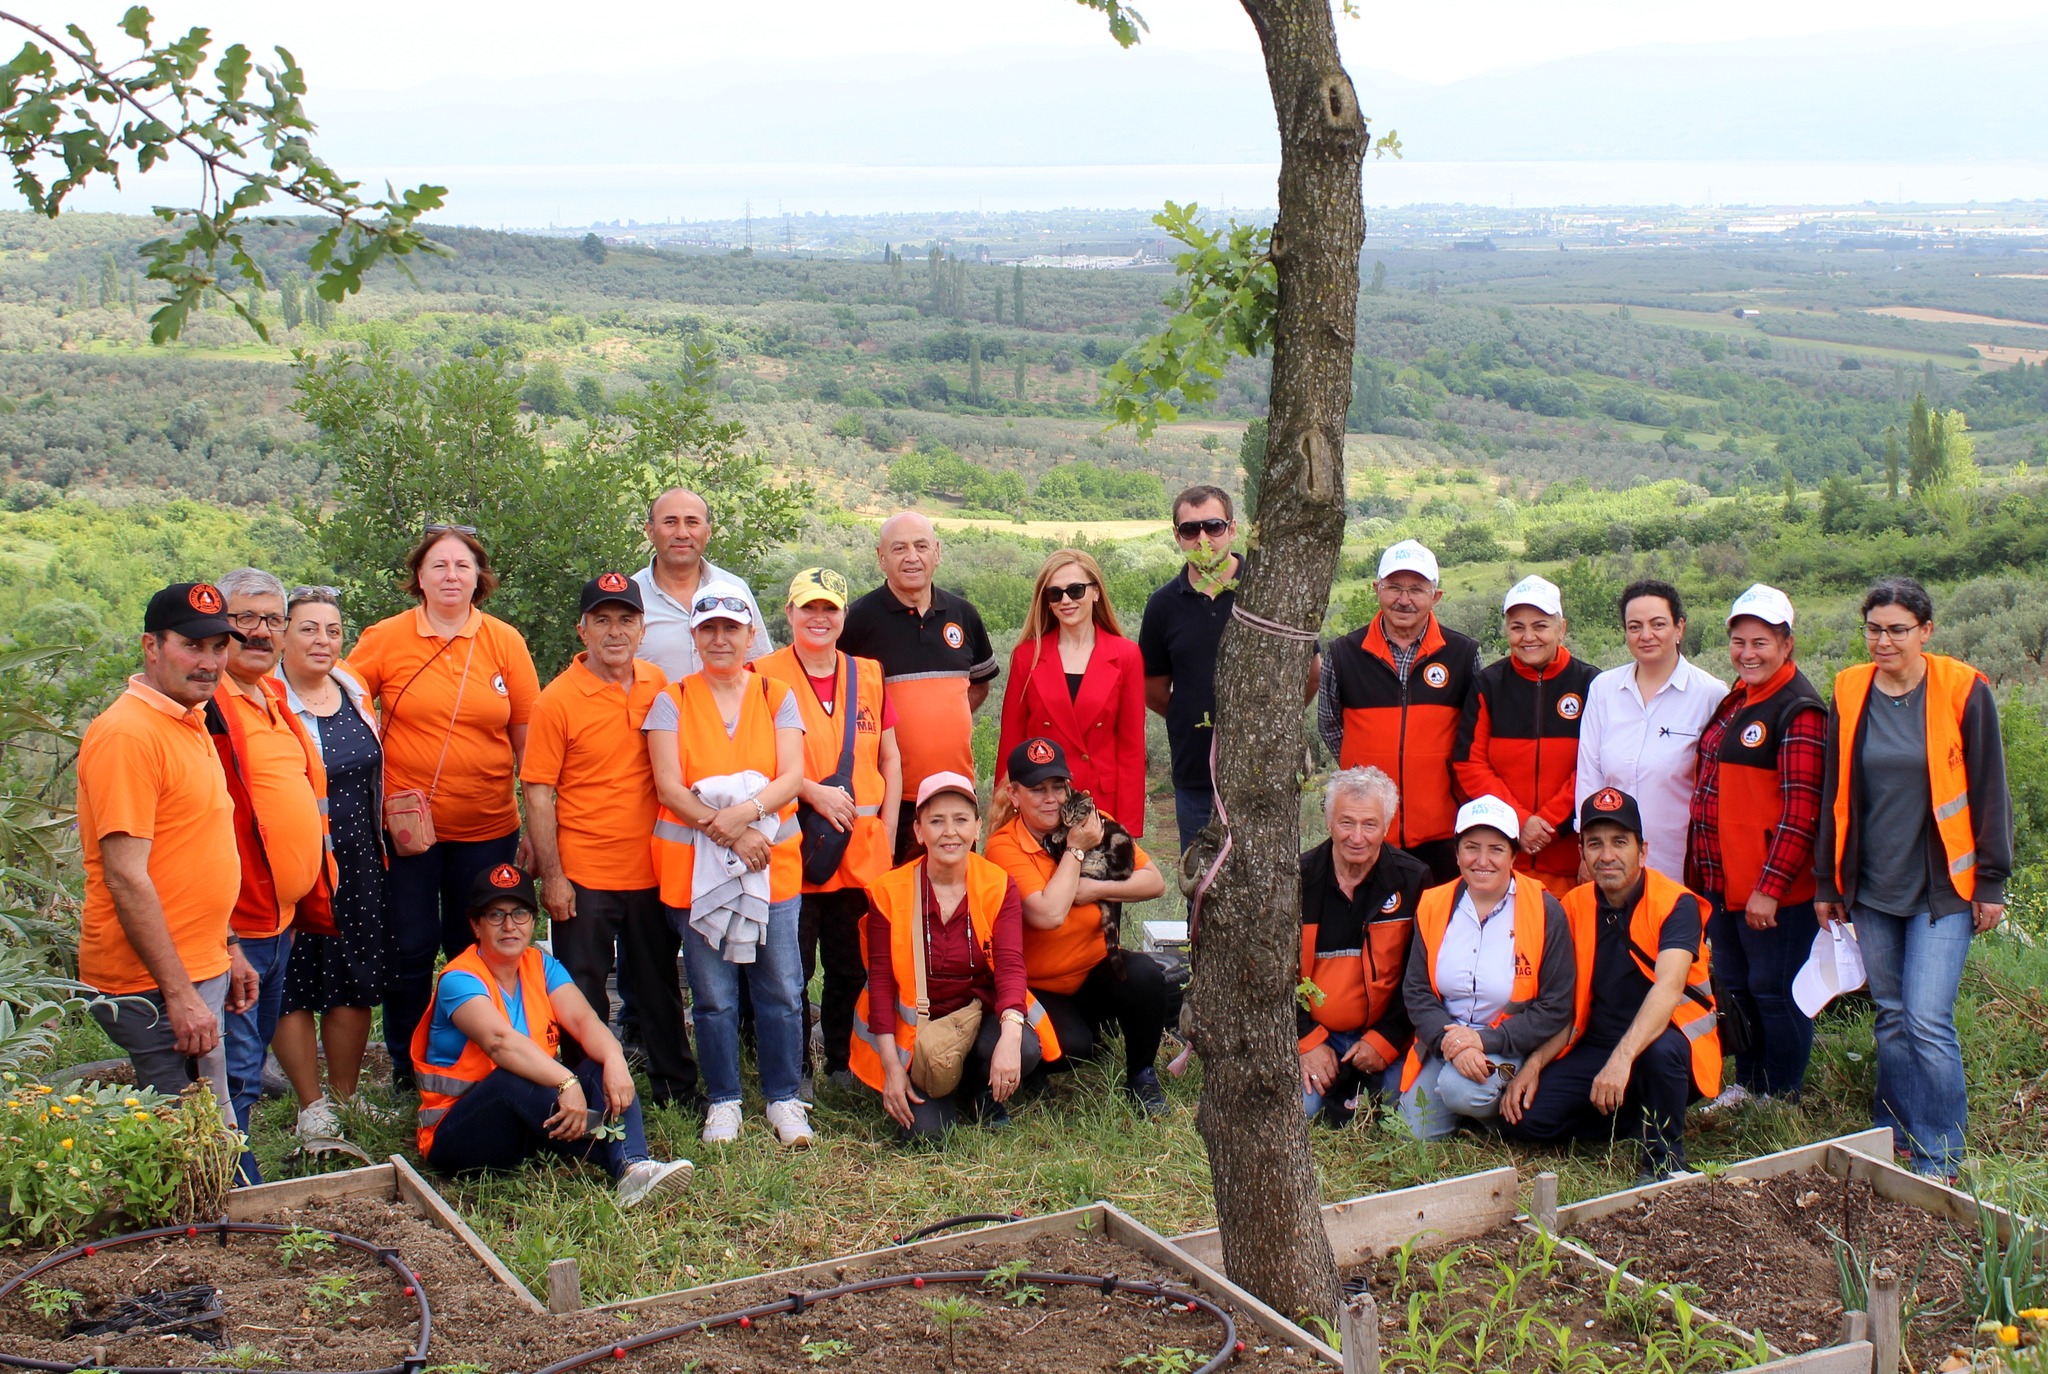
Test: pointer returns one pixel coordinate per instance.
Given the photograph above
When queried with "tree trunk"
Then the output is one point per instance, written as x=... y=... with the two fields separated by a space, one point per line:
x=1267 y=1194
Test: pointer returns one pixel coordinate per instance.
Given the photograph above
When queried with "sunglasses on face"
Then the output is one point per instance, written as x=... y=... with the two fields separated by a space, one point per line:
x=1194 y=529
x=720 y=603
x=1073 y=591
x=469 y=530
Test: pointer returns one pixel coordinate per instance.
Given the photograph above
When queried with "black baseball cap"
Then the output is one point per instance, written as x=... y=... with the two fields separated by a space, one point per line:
x=505 y=880
x=1037 y=760
x=1611 y=806
x=195 y=610
x=611 y=586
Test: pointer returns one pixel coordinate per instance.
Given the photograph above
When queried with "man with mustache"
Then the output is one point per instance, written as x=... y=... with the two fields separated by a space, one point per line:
x=155 y=817
x=279 y=787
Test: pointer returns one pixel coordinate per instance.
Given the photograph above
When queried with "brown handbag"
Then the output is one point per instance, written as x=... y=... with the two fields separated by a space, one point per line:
x=409 y=812
x=939 y=1054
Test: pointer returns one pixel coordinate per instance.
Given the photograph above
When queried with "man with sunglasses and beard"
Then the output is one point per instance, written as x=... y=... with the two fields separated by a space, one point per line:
x=1179 y=638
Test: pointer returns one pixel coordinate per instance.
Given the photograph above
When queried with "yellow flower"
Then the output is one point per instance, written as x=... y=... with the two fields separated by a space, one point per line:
x=41 y=1088
x=2008 y=1335
x=65 y=1143
x=142 y=1116
x=2035 y=1314
x=131 y=1102
x=74 y=1099
x=97 y=1166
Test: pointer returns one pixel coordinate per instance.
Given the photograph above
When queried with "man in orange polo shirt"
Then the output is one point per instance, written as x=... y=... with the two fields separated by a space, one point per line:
x=590 y=809
x=279 y=787
x=155 y=818
x=1066 y=959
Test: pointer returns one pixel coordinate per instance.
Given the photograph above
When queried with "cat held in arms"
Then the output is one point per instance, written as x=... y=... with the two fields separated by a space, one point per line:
x=1112 y=861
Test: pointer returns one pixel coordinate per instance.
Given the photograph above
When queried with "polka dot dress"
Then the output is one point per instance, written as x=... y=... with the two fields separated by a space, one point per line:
x=346 y=969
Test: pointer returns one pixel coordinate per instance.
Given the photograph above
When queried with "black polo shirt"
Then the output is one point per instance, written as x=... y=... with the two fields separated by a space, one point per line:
x=1178 y=639
x=1619 y=983
x=928 y=662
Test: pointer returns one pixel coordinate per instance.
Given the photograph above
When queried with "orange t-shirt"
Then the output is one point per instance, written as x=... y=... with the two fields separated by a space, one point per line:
x=147 y=768
x=585 y=742
x=1055 y=960
x=285 y=830
x=473 y=799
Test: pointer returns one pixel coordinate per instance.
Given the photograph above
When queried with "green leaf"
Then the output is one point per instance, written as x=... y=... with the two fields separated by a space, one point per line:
x=233 y=71
x=135 y=23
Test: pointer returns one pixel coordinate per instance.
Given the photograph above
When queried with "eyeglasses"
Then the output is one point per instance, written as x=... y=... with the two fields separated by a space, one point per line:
x=1895 y=633
x=469 y=530
x=517 y=916
x=1191 y=529
x=1073 y=591
x=721 y=603
x=249 y=620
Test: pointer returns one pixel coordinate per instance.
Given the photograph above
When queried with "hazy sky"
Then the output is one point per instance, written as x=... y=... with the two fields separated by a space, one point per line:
x=386 y=44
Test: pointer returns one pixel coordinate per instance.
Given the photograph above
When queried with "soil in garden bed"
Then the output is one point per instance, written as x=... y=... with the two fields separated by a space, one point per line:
x=1493 y=1304
x=1761 y=1256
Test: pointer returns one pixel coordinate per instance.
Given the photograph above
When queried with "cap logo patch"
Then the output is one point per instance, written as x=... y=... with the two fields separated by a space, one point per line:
x=1569 y=705
x=1039 y=751
x=954 y=635
x=832 y=581
x=1392 y=904
x=1607 y=799
x=611 y=582
x=204 y=598
x=1436 y=675
x=505 y=876
x=1752 y=734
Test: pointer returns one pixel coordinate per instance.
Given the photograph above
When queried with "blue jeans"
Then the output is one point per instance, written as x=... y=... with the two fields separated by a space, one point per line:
x=776 y=982
x=502 y=1122
x=1442 y=1095
x=1915 y=965
x=425 y=901
x=1385 y=1083
x=1192 y=807
x=1756 y=968
x=248 y=1033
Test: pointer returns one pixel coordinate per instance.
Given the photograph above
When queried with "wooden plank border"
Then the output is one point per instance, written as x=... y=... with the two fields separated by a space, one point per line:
x=416 y=1190
x=1853 y=1358
x=1126 y=1230
x=374 y=1180
x=1873 y=1144
x=1362 y=1228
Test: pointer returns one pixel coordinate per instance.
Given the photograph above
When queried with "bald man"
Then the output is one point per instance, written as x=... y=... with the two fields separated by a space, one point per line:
x=679 y=528
x=937 y=662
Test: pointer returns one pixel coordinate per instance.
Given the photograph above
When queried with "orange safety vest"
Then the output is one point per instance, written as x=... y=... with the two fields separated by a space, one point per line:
x=1695 y=1014
x=1433 y=918
x=1949 y=683
x=897 y=895
x=314 y=913
x=708 y=752
x=867 y=851
x=440 y=1084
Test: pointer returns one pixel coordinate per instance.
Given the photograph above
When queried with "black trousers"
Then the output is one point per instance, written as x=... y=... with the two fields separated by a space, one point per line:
x=935 y=1115
x=1136 y=1003
x=828 y=926
x=1660 y=1087
x=907 y=846
x=632 y=922
x=1440 y=855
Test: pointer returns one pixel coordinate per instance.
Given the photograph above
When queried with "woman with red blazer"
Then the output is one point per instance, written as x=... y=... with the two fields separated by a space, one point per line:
x=1076 y=680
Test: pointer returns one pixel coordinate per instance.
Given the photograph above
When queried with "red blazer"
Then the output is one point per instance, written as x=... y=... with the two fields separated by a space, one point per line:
x=1102 y=729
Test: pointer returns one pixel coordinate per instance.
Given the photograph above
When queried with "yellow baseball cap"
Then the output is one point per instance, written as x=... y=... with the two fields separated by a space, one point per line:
x=817 y=584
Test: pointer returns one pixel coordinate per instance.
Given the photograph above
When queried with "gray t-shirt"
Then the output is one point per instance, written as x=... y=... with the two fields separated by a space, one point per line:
x=1898 y=803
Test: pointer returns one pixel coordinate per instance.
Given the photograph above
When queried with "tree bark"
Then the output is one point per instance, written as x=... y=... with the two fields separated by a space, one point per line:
x=1247 y=962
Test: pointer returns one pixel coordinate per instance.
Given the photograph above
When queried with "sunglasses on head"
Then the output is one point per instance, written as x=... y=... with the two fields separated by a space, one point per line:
x=1194 y=529
x=1073 y=591
x=720 y=603
x=469 y=530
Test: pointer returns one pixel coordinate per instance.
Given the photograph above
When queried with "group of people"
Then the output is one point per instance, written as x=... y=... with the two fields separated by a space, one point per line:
x=1528 y=862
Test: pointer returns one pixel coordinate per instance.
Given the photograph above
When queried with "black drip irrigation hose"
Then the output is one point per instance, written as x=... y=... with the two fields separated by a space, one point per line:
x=964 y=1219
x=221 y=1230
x=745 y=1317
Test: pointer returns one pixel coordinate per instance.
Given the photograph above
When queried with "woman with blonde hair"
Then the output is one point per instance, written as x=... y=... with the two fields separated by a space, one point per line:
x=1077 y=681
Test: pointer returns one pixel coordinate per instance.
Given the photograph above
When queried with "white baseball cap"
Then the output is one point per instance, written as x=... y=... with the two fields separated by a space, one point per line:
x=1493 y=813
x=1767 y=604
x=720 y=601
x=946 y=782
x=1410 y=555
x=1539 y=592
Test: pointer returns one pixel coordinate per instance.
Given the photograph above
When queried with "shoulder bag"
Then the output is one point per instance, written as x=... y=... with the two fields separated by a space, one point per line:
x=409 y=813
x=823 y=844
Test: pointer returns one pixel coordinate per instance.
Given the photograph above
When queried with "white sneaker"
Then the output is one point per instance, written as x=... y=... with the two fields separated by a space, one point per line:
x=792 y=1127
x=318 y=1120
x=650 y=1180
x=1734 y=1095
x=721 y=1123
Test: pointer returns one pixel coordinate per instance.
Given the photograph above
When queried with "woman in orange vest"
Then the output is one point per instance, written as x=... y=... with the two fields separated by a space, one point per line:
x=493 y=1093
x=945 y=952
x=847 y=804
x=1490 y=977
x=727 y=749
x=1915 y=846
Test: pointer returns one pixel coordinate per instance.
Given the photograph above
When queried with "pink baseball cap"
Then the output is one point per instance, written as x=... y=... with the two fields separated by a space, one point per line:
x=946 y=782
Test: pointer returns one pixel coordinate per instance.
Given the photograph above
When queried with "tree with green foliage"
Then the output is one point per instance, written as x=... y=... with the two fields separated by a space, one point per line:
x=1792 y=511
x=1251 y=457
x=974 y=371
x=1379 y=279
x=110 y=282
x=1891 y=462
x=590 y=397
x=290 y=301
x=1920 y=450
x=1019 y=380
x=1017 y=295
x=997 y=314
x=595 y=248
x=546 y=391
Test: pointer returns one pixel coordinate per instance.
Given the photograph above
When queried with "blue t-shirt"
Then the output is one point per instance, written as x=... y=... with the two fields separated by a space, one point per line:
x=445 y=1040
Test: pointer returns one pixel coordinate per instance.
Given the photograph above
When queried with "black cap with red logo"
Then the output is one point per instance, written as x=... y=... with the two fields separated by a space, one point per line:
x=1037 y=760
x=499 y=882
x=1611 y=806
x=611 y=586
x=195 y=610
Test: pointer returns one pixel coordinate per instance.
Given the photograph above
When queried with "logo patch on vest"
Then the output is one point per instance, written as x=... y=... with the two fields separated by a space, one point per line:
x=505 y=876
x=204 y=598
x=1391 y=905
x=1607 y=799
x=1569 y=705
x=1436 y=675
x=498 y=684
x=864 y=722
x=1523 y=968
x=1753 y=734
x=1955 y=756
x=953 y=635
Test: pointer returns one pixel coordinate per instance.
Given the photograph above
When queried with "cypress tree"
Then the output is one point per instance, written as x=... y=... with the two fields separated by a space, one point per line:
x=1920 y=451
x=110 y=283
x=289 y=302
x=1017 y=296
x=1891 y=462
x=999 y=305
x=974 y=370
x=1020 y=376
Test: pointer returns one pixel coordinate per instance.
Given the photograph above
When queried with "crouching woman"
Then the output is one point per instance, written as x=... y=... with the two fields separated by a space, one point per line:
x=492 y=1092
x=945 y=1027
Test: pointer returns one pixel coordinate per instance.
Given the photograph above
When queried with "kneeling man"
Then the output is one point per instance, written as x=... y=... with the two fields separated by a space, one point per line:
x=1643 y=1043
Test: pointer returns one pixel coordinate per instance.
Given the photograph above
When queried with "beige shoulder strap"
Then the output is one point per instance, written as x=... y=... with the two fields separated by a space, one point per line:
x=918 y=946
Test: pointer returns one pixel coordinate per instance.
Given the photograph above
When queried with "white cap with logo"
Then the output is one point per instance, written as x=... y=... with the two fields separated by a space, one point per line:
x=1493 y=813
x=720 y=601
x=1767 y=604
x=1532 y=590
x=1410 y=555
